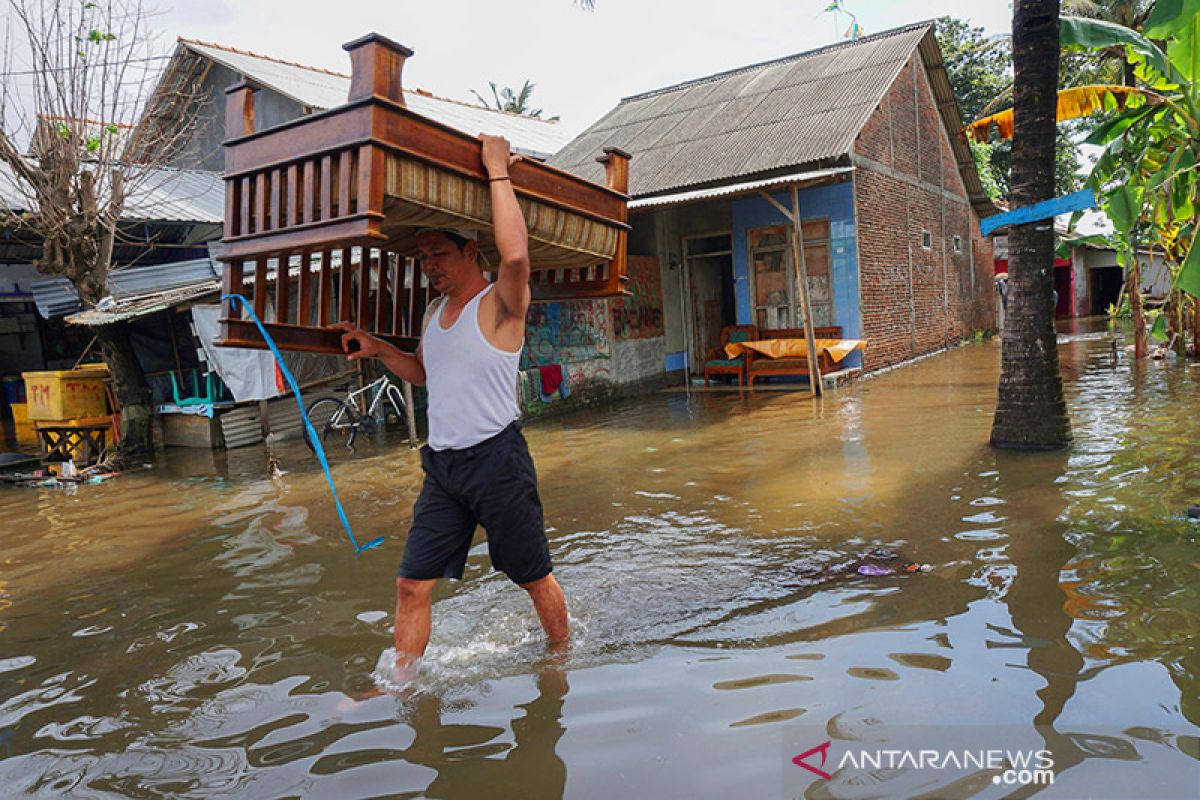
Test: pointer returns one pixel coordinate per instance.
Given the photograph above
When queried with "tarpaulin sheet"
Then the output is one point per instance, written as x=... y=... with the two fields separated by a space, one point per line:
x=796 y=348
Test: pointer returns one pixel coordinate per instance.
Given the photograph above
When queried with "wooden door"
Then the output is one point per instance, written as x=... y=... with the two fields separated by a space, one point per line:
x=704 y=275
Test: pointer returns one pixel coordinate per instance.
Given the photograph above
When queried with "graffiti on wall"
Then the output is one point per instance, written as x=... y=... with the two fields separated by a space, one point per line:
x=640 y=315
x=567 y=332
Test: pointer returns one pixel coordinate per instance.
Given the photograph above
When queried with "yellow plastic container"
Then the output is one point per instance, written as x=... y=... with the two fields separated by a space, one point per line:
x=66 y=394
x=20 y=412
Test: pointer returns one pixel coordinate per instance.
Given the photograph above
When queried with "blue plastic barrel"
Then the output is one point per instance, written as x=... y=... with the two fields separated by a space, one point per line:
x=13 y=388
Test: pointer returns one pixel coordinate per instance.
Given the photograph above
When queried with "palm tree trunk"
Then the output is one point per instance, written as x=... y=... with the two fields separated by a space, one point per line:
x=1030 y=410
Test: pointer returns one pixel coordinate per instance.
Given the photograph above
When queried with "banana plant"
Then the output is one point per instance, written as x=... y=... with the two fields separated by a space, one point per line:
x=1146 y=174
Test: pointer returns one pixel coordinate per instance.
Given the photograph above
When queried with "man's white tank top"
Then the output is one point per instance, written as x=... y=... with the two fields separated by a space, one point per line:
x=472 y=384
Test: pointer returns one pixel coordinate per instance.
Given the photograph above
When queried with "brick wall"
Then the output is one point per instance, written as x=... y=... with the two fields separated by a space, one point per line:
x=915 y=299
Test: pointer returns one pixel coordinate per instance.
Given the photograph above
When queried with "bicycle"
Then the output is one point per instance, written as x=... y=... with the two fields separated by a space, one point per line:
x=345 y=418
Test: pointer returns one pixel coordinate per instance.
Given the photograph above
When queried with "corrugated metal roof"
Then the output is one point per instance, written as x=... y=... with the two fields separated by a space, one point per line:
x=141 y=306
x=138 y=281
x=737 y=188
x=789 y=112
x=162 y=194
x=55 y=297
x=178 y=195
x=321 y=89
x=140 y=290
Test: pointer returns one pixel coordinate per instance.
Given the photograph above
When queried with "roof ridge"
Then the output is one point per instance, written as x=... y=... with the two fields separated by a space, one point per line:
x=422 y=92
x=252 y=54
x=929 y=23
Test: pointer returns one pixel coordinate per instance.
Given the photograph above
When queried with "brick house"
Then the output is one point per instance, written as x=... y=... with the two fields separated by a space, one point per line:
x=869 y=134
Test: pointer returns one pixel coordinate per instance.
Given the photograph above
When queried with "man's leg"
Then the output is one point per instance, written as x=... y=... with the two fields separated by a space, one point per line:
x=414 y=610
x=551 y=607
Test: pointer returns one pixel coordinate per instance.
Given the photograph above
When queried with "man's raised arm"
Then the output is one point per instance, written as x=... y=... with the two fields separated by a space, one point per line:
x=512 y=237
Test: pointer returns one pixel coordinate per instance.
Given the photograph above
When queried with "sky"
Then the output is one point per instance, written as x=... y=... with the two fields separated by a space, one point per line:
x=582 y=62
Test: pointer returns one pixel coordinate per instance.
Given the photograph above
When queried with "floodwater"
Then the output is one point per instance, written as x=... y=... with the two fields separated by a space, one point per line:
x=204 y=631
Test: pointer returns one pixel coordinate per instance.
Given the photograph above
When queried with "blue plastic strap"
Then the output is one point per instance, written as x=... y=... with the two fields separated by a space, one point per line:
x=312 y=433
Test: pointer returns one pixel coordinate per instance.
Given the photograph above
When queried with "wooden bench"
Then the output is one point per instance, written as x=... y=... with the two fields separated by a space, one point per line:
x=760 y=366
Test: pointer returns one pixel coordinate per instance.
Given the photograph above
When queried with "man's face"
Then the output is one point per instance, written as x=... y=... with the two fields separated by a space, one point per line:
x=443 y=263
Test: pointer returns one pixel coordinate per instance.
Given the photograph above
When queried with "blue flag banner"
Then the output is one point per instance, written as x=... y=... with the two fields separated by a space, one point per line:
x=1047 y=209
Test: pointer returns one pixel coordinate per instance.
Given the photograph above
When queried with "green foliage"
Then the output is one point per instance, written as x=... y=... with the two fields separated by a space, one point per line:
x=1158 y=328
x=982 y=152
x=1146 y=174
x=979 y=67
x=1169 y=16
x=981 y=73
x=514 y=102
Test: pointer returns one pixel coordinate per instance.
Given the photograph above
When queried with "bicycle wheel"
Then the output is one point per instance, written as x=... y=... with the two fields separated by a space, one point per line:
x=333 y=420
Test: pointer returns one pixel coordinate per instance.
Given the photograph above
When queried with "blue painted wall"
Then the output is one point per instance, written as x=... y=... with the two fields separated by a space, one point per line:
x=834 y=202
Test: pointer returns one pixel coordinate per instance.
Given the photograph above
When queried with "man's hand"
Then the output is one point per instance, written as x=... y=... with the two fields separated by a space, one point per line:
x=357 y=343
x=497 y=155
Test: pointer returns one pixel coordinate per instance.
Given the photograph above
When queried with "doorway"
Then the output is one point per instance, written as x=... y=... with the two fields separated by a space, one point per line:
x=1105 y=287
x=710 y=281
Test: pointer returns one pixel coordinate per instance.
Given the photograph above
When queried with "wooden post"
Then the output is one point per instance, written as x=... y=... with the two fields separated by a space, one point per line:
x=797 y=240
x=239 y=109
x=814 y=364
x=616 y=177
x=239 y=121
x=376 y=66
x=231 y=283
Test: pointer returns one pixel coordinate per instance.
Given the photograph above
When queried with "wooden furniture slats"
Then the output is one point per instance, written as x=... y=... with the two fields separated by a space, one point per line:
x=304 y=294
x=259 y=222
x=282 y=290
x=366 y=262
x=309 y=191
x=260 y=288
x=246 y=200
x=398 y=293
x=345 y=182
x=325 y=290
x=346 y=288
x=294 y=208
x=383 y=268
x=275 y=222
x=327 y=188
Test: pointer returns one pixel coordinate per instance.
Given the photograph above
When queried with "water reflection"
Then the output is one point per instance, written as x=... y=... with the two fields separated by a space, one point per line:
x=471 y=762
x=1039 y=552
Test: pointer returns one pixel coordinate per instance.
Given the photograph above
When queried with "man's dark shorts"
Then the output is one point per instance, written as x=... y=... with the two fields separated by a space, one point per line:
x=492 y=484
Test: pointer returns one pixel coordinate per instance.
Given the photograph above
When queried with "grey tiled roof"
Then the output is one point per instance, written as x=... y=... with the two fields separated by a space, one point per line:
x=797 y=110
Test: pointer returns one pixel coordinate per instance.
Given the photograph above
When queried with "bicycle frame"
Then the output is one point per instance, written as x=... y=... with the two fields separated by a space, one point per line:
x=379 y=388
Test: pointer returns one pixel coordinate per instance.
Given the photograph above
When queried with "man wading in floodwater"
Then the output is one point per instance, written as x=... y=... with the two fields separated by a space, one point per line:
x=477 y=466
